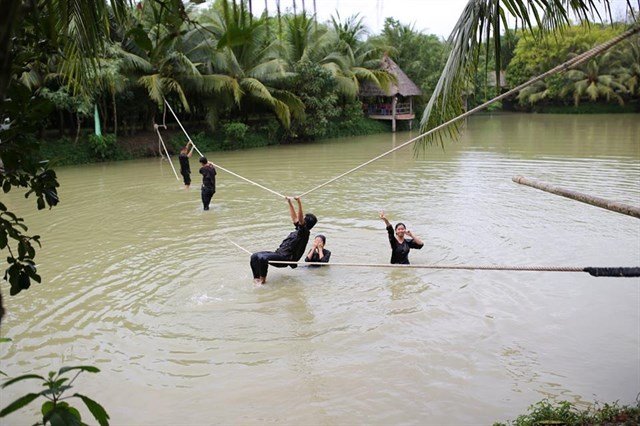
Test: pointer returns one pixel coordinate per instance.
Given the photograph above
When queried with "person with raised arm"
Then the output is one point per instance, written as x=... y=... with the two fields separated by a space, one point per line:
x=400 y=245
x=185 y=169
x=291 y=249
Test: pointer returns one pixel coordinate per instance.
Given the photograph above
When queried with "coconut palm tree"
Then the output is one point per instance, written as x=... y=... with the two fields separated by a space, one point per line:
x=245 y=66
x=594 y=81
x=628 y=68
x=479 y=22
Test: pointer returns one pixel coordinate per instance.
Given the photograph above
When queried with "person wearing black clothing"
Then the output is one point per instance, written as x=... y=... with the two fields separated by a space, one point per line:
x=208 y=172
x=291 y=249
x=185 y=170
x=400 y=245
x=318 y=253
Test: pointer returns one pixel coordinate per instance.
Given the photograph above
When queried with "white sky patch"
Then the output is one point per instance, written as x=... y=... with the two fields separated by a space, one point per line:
x=429 y=16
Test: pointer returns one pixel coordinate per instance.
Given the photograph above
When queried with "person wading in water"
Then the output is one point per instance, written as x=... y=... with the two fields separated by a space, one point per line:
x=400 y=245
x=208 y=172
x=291 y=249
x=185 y=169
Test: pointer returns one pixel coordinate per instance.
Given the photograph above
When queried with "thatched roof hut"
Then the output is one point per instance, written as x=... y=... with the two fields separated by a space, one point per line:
x=405 y=87
x=396 y=103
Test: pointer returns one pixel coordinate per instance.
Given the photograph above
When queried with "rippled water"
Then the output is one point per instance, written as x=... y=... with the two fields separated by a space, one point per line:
x=142 y=283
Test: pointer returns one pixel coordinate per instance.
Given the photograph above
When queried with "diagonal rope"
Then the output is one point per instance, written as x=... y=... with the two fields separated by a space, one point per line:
x=161 y=144
x=216 y=165
x=562 y=67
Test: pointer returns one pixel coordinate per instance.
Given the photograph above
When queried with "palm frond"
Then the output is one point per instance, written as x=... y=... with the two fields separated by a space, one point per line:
x=153 y=85
x=479 y=21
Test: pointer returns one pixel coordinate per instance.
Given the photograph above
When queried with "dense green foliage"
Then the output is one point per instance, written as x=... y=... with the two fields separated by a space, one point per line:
x=566 y=413
x=610 y=78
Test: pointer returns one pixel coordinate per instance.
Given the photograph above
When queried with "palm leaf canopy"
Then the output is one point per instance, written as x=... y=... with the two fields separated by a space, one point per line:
x=476 y=29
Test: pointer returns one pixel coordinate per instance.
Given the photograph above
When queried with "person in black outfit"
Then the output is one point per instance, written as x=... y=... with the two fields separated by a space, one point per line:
x=318 y=253
x=400 y=245
x=291 y=249
x=208 y=172
x=185 y=170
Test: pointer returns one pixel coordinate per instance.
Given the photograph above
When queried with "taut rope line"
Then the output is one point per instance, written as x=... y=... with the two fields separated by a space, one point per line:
x=596 y=271
x=156 y=127
x=562 y=67
x=218 y=166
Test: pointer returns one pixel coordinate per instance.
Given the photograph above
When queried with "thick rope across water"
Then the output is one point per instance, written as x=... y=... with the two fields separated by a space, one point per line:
x=217 y=165
x=593 y=270
x=596 y=271
x=161 y=142
x=562 y=67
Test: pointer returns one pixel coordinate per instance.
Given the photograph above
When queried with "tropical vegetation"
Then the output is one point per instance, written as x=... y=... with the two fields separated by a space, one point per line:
x=70 y=64
x=547 y=412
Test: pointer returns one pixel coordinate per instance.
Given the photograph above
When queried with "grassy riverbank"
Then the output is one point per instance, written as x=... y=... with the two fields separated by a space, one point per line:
x=566 y=413
x=230 y=136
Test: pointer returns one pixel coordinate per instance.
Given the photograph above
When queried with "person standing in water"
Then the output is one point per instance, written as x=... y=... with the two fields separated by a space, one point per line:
x=318 y=253
x=291 y=249
x=400 y=245
x=208 y=172
x=185 y=169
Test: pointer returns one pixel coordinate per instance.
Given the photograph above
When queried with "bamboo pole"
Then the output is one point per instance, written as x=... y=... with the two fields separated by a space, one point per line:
x=578 y=196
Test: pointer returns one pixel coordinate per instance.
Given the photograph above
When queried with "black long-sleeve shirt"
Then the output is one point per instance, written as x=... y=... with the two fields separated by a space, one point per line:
x=184 y=163
x=400 y=251
x=293 y=247
x=208 y=173
x=315 y=257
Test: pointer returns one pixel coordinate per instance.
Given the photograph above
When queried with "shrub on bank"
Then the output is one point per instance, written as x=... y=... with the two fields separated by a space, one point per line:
x=566 y=413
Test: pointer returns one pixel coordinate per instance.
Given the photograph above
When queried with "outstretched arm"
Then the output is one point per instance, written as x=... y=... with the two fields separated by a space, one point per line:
x=384 y=218
x=191 y=150
x=292 y=211
x=300 y=214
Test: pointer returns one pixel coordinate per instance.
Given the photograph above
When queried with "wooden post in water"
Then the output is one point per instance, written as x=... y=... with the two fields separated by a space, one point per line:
x=578 y=196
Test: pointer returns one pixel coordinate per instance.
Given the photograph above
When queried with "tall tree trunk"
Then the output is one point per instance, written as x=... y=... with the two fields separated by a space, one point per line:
x=279 y=18
x=304 y=9
x=115 y=114
x=79 y=124
x=250 y=11
x=315 y=16
x=9 y=18
x=294 y=8
x=105 y=111
x=61 y=124
x=266 y=17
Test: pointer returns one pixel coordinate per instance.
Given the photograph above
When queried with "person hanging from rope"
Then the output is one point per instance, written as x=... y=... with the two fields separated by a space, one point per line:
x=185 y=169
x=291 y=249
x=208 y=172
x=318 y=253
x=400 y=245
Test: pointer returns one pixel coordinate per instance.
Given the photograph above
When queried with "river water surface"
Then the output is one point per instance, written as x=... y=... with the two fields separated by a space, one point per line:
x=143 y=284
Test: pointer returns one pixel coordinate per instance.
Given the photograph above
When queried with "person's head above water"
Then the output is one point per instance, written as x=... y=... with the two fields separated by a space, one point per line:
x=310 y=220
x=203 y=160
x=321 y=238
x=400 y=229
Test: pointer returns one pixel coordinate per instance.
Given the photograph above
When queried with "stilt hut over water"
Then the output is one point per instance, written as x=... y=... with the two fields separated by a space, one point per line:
x=396 y=103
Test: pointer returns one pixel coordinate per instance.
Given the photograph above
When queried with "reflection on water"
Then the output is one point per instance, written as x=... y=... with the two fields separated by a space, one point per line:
x=143 y=284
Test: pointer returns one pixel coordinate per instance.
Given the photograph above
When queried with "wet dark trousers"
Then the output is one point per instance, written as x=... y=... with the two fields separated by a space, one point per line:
x=206 y=194
x=186 y=177
x=260 y=262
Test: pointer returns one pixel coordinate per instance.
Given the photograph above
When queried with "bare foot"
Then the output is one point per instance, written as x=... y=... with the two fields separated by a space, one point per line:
x=263 y=280
x=257 y=281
